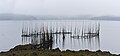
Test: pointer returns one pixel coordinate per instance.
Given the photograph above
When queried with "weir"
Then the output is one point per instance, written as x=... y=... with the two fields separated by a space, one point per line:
x=46 y=38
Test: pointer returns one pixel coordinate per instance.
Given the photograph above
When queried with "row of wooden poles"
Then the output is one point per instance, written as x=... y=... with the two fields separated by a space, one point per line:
x=47 y=37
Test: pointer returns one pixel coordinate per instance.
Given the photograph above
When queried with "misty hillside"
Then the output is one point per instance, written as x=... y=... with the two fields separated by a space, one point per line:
x=16 y=17
x=80 y=17
x=48 y=17
x=110 y=18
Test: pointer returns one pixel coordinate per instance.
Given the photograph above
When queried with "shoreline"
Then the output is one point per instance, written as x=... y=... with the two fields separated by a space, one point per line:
x=28 y=50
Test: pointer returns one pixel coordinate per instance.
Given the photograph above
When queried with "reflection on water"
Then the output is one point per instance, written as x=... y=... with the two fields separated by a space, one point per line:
x=10 y=34
x=48 y=37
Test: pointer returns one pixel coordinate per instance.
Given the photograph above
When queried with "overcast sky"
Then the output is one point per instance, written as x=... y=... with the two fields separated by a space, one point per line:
x=61 y=7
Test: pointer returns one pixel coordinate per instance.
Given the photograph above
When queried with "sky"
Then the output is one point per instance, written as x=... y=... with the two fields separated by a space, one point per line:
x=61 y=7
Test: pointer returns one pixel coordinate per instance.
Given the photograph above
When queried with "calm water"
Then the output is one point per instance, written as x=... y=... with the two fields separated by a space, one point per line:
x=10 y=33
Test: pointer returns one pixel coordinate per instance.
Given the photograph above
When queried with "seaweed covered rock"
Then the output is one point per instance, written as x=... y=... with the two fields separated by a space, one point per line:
x=56 y=50
x=31 y=50
x=23 y=47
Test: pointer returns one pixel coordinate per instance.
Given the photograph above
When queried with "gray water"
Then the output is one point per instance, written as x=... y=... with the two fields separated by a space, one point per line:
x=10 y=33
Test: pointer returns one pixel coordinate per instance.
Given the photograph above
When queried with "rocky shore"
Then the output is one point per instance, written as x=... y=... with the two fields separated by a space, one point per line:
x=30 y=50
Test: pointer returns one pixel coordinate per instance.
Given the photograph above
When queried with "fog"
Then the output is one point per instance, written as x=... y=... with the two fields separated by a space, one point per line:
x=61 y=7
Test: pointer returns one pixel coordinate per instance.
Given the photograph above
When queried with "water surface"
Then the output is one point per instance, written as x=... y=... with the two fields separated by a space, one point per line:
x=10 y=33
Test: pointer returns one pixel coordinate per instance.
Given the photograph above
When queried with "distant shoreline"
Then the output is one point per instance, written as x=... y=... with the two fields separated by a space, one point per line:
x=57 y=19
x=7 y=16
